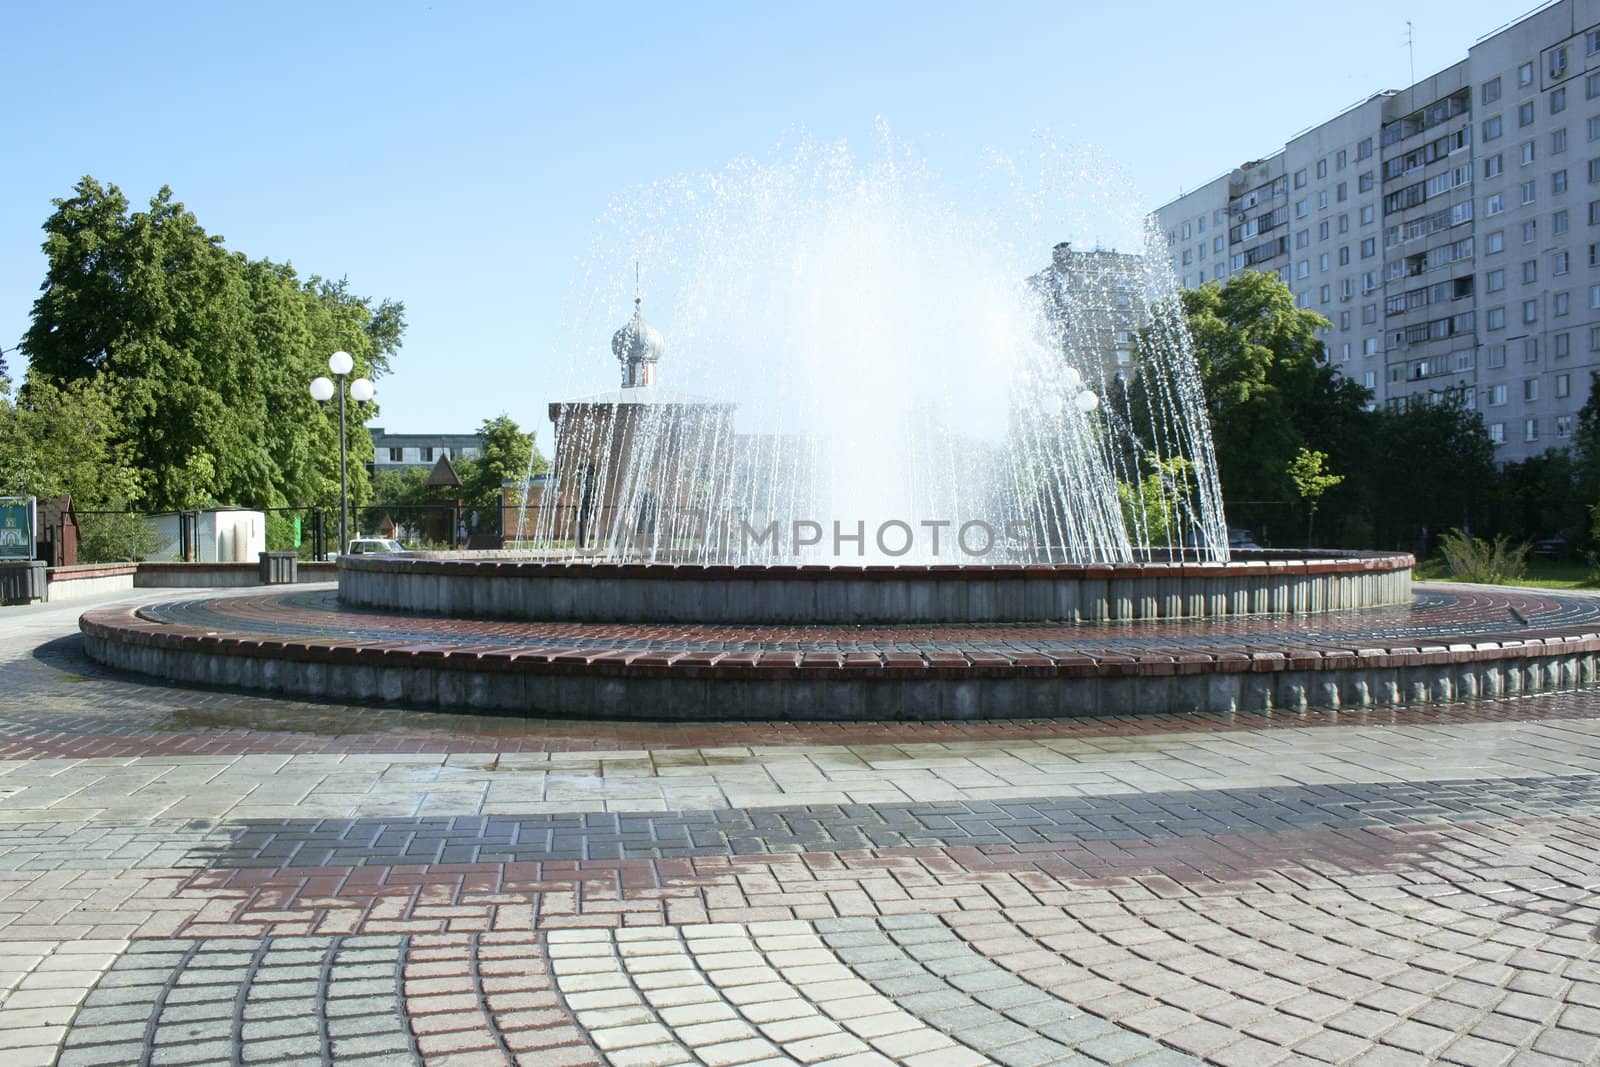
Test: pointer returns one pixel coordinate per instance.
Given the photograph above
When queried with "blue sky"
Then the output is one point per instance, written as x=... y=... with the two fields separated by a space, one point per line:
x=459 y=156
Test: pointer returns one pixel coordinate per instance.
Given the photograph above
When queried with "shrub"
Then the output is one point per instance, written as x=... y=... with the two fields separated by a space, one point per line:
x=1473 y=559
x=116 y=537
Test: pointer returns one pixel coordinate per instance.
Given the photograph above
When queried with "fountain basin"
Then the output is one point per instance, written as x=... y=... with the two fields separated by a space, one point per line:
x=1445 y=645
x=1256 y=583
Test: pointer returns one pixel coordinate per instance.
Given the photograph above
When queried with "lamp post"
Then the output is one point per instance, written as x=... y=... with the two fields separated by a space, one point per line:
x=323 y=390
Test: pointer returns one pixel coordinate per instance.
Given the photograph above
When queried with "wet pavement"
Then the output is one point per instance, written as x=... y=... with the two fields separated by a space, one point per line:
x=194 y=876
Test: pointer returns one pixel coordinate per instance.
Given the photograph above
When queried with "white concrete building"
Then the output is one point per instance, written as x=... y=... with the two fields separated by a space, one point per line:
x=1450 y=231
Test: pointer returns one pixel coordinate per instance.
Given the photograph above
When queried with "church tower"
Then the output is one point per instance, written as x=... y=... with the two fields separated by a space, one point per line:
x=638 y=346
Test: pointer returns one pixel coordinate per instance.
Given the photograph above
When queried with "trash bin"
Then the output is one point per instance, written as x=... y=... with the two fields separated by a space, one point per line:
x=280 y=568
x=22 y=580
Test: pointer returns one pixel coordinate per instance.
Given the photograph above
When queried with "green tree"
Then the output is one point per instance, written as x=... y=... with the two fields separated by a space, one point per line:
x=1151 y=505
x=65 y=440
x=1429 y=467
x=207 y=353
x=1311 y=480
x=1269 y=391
x=506 y=455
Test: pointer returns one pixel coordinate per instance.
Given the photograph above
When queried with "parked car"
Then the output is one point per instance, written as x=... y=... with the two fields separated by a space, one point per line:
x=1241 y=539
x=373 y=546
x=1553 y=548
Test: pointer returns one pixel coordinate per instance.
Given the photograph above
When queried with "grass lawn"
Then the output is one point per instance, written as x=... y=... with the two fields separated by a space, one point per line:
x=1542 y=573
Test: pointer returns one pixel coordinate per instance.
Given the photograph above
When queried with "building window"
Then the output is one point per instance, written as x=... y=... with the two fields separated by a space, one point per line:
x=1341 y=192
x=1300 y=178
x=1530 y=389
x=1594 y=338
x=1368 y=214
x=1493 y=165
x=1300 y=210
x=1322 y=168
x=1591 y=42
x=1525 y=75
x=1492 y=128
x=1369 y=247
x=1369 y=346
x=1497 y=432
x=1563 y=345
x=1364 y=148
x=1497 y=318
x=1339 y=159
x=1560 y=263
x=1530 y=312
x=1527 y=153
x=1344 y=223
x=1558 y=221
x=1563 y=385
x=1563 y=425
x=1365 y=181
x=1525 y=114
x=1558 y=141
x=1530 y=430
x=1494 y=281
x=1558 y=182
x=1370 y=379
x=1559 y=303
x=1591 y=86
x=1322 y=199
x=1497 y=396
x=1496 y=241
x=1302 y=239
x=427 y=455
x=1558 y=63
x=1530 y=232
x=1494 y=204
x=397 y=455
x=1497 y=356
x=1558 y=100
x=1491 y=90
x=1529 y=191
x=1344 y=255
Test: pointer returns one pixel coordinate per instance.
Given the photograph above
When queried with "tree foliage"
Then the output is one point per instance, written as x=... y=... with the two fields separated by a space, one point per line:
x=1275 y=404
x=205 y=353
x=506 y=454
x=66 y=439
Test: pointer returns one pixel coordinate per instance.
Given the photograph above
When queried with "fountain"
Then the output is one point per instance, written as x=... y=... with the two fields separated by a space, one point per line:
x=881 y=403
x=885 y=468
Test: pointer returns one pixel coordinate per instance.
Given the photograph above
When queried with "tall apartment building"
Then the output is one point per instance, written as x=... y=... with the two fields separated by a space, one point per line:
x=1095 y=304
x=1450 y=231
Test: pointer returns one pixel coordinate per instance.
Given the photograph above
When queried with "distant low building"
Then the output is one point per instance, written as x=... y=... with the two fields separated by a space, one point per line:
x=393 y=451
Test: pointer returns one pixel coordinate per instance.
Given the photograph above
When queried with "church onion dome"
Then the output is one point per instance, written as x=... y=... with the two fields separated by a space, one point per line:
x=638 y=341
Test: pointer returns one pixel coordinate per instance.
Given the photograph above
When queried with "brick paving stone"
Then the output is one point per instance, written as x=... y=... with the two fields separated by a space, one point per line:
x=272 y=880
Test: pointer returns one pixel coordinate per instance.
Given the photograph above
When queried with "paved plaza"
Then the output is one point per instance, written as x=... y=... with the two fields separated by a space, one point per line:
x=190 y=876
